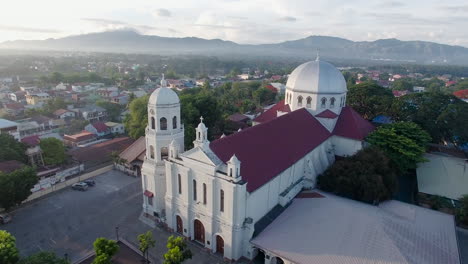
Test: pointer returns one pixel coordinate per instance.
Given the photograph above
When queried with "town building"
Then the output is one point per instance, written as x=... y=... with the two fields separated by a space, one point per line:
x=115 y=128
x=98 y=128
x=37 y=98
x=223 y=194
x=64 y=114
x=78 y=139
x=9 y=127
x=93 y=113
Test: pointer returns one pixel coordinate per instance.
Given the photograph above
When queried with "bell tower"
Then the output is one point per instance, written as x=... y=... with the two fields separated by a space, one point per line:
x=164 y=127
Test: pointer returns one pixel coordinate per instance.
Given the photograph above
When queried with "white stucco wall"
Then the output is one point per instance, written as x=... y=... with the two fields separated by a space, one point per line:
x=345 y=146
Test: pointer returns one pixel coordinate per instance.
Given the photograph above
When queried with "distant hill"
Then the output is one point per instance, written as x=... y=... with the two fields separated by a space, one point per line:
x=128 y=41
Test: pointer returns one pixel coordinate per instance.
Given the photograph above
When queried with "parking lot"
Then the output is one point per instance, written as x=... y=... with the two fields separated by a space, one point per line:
x=68 y=221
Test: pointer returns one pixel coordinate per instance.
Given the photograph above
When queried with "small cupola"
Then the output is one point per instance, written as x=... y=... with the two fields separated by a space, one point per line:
x=201 y=138
x=233 y=167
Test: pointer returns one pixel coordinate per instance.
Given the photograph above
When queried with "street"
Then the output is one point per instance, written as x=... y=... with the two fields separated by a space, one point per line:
x=68 y=221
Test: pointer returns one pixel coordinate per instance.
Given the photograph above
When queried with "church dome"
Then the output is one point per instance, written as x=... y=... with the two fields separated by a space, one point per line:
x=163 y=96
x=317 y=77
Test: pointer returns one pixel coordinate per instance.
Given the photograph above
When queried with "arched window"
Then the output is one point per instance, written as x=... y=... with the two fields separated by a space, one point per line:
x=164 y=153
x=153 y=123
x=194 y=190
x=221 y=201
x=152 y=152
x=163 y=123
x=324 y=102
x=204 y=193
x=309 y=102
x=332 y=102
x=179 y=181
x=299 y=101
x=174 y=122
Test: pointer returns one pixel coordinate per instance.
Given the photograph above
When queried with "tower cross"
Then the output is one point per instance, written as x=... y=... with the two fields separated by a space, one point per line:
x=201 y=119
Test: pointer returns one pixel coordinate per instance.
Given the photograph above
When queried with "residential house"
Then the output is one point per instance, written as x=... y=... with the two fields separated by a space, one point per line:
x=279 y=87
x=419 y=89
x=28 y=89
x=9 y=127
x=94 y=113
x=174 y=84
x=18 y=96
x=115 y=128
x=37 y=98
x=62 y=86
x=79 y=138
x=121 y=99
x=131 y=159
x=14 y=109
x=244 y=76
x=64 y=114
x=98 y=128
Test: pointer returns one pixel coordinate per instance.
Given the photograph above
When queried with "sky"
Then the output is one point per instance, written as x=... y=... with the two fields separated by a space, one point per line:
x=247 y=22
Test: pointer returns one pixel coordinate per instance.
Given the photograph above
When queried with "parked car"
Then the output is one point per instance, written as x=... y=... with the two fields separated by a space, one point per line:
x=5 y=218
x=90 y=182
x=80 y=186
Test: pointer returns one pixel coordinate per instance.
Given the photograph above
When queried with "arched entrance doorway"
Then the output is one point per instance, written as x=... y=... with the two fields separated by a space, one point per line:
x=219 y=245
x=180 y=225
x=199 y=231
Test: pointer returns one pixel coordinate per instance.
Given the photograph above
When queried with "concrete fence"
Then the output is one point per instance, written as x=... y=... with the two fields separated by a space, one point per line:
x=67 y=183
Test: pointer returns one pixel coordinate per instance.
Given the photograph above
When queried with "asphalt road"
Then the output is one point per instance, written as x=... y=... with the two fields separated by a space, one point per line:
x=68 y=222
x=462 y=235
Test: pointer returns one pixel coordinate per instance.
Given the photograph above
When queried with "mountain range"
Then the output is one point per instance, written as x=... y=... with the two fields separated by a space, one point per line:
x=128 y=41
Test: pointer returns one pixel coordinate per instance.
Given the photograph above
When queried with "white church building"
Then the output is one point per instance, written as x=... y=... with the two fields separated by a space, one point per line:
x=220 y=193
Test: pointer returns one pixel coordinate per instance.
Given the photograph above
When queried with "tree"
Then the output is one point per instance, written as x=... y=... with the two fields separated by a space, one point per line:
x=11 y=149
x=9 y=254
x=135 y=123
x=367 y=176
x=53 y=151
x=402 y=85
x=461 y=85
x=105 y=249
x=43 y=258
x=462 y=211
x=264 y=96
x=75 y=126
x=369 y=99
x=443 y=116
x=177 y=251
x=146 y=241
x=113 y=110
x=16 y=186
x=404 y=143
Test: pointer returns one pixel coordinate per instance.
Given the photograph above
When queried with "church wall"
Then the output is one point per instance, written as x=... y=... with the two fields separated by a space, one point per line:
x=346 y=146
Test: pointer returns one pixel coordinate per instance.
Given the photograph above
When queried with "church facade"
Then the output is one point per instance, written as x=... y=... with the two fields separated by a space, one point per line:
x=218 y=193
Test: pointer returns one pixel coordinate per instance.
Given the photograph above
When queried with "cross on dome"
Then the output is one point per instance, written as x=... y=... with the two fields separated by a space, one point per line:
x=318 y=55
x=201 y=119
x=163 y=81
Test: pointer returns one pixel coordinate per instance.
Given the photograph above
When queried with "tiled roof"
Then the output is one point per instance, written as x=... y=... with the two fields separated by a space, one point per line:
x=61 y=112
x=14 y=106
x=267 y=149
x=327 y=114
x=101 y=151
x=83 y=135
x=271 y=113
x=134 y=151
x=351 y=125
x=100 y=127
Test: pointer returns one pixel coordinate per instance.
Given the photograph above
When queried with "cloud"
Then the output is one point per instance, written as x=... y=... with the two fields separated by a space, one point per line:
x=404 y=19
x=28 y=29
x=162 y=12
x=460 y=8
x=288 y=19
x=103 y=21
x=391 y=4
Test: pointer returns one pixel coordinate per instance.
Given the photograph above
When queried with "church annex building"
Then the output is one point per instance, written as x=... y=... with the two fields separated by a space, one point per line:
x=253 y=193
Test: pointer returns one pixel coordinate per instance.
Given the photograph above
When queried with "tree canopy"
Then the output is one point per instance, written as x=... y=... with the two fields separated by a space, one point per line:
x=146 y=241
x=403 y=142
x=16 y=186
x=43 y=258
x=11 y=149
x=462 y=211
x=113 y=109
x=135 y=123
x=105 y=249
x=177 y=251
x=9 y=254
x=443 y=116
x=402 y=85
x=53 y=151
x=366 y=176
x=369 y=99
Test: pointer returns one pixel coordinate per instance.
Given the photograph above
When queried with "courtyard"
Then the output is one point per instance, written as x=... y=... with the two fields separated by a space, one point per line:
x=67 y=222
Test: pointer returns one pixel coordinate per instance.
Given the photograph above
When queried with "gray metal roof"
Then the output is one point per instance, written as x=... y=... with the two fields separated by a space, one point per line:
x=338 y=230
x=4 y=123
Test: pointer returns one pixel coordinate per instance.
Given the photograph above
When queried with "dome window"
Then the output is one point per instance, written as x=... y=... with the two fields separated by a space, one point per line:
x=324 y=102
x=151 y=152
x=174 y=122
x=299 y=101
x=163 y=123
x=153 y=123
x=309 y=102
x=332 y=102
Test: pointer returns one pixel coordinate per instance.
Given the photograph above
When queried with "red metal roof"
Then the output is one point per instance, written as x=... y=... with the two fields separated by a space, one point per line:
x=351 y=125
x=100 y=127
x=271 y=113
x=462 y=94
x=327 y=114
x=267 y=149
x=148 y=193
x=31 y=140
